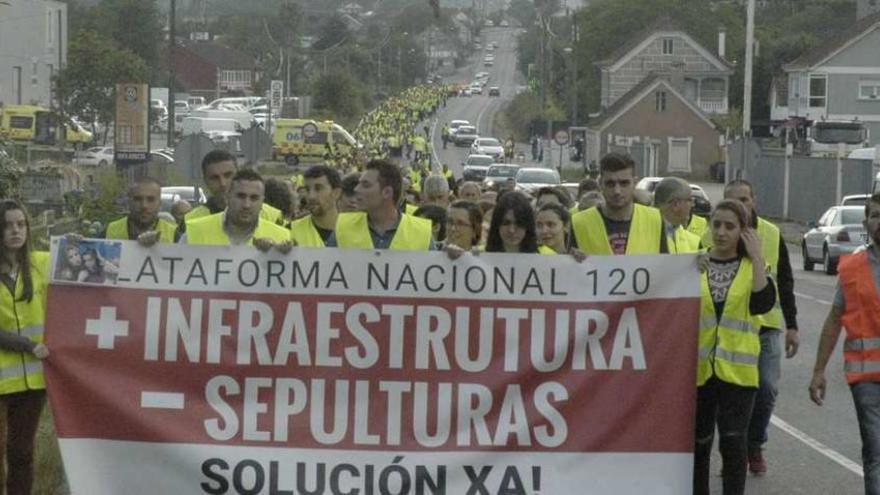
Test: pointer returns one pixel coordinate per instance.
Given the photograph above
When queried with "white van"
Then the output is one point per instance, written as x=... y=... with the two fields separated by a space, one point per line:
x=244 y=118
x=195 y=125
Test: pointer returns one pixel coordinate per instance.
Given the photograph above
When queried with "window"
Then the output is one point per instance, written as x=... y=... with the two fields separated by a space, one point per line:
x=21 y=122
x=818 y=91
x=668 y=44
x=680 y=154
x=660 y=101
x=781 y=94
x=869 y=90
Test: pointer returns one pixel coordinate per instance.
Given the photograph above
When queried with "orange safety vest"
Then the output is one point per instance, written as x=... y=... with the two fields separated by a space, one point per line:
x=861 y=349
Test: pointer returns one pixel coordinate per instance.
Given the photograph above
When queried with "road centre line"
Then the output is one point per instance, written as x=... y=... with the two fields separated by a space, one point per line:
x=818 y=446
x=811 y=298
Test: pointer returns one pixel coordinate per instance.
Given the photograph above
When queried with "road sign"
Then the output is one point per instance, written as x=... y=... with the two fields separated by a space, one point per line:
x=561 y=137
x=276 y=95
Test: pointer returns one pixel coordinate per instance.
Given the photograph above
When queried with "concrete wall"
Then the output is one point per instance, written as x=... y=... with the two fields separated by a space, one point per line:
x=36 y=42
x=812 y=181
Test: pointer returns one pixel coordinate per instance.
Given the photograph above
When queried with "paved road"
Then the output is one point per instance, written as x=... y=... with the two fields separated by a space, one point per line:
x=812 y=450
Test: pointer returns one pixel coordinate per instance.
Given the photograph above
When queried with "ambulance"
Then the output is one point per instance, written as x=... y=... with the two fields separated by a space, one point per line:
x=38 y=125
x=296 y=140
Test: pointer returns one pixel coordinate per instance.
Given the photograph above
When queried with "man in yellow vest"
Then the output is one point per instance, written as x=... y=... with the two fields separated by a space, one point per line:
x=856 y=307
x=240 y=223
x=218 y=168
x=380 y=225
x=143 y=215
x=620 y=226
x=323 y=187
x=784 y=313
x=672 y=197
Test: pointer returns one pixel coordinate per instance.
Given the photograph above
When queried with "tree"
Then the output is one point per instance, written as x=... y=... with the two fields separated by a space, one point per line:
x=10 y=172
x=338 y=95
x=135 y=25
x=95 y=64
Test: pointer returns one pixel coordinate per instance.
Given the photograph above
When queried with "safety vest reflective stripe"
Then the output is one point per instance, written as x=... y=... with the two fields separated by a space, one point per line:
x=16 y=370
x=862 y=344
x=769 y=235
x=732 y=356
x=32 y=331
x=729 y=323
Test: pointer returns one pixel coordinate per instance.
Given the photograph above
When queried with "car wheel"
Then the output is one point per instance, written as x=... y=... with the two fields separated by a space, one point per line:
x=808 y=265
x=828 y=264
x=102 y=163
x=291 y=160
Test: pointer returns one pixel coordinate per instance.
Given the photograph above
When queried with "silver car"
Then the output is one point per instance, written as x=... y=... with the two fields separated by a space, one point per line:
x=839 y=231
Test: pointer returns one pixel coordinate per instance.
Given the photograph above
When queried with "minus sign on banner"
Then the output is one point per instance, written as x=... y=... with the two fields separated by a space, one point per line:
x=161 y=400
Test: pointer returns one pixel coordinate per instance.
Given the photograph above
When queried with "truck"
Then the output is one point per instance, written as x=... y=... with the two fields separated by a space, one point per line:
x=295 y=140
x=40 y=126
x=827 y=138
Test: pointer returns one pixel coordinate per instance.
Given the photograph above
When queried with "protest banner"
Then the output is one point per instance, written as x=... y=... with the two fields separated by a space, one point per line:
x=186 y=369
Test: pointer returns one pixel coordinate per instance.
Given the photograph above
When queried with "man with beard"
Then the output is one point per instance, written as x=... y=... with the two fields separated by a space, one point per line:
x=323 y=187
x=143 y=215
x=240 y=223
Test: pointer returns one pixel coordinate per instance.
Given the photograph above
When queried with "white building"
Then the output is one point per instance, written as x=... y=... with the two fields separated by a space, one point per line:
x=33 y=46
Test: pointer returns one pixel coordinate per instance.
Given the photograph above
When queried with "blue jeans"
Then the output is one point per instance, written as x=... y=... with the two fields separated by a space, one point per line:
x=769 y=369
x=866 y=396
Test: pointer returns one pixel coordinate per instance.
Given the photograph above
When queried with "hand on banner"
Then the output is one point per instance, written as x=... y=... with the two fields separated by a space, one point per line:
x=578 y=255
x=284 y=247
x=454 y=252
x=703 y=262
x=148 y=238
x=40 y=351
x=264 y=244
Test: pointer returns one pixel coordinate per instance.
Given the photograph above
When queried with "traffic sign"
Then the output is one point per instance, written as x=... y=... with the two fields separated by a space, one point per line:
x=561 y=137
x=276 y=95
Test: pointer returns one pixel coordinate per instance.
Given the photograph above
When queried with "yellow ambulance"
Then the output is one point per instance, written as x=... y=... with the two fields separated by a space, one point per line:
x=38 y=124
x=296 y=140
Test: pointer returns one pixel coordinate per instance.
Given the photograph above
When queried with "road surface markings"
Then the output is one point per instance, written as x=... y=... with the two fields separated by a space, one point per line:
x=811 y=298
x=818 y=446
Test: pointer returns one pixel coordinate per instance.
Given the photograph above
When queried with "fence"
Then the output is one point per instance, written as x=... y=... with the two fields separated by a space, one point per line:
x=798 y=188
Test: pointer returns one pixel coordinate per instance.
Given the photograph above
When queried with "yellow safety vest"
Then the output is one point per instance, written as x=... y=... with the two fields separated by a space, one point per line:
x=769 y=235
x=118 y=229
x=645 y=231
x=546 y=250
x=20 y=371
x=729 y=347
x=698 y=225
x=209 y=230
x=268 y=212
x=304 y=233
x=410 y=209
x=353 y=231
x=683 y=242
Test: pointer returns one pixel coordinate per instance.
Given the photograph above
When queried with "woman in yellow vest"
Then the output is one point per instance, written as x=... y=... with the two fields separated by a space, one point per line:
x=24 y=277
x=513 y=226
x=735 y=289
x=553 y=225
x=464 y=225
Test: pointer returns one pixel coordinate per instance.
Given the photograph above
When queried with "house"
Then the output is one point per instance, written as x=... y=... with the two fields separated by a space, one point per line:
x=838 y=80
x=702 y=76
x=664 y=131
x=33 y=48
x=208 y=68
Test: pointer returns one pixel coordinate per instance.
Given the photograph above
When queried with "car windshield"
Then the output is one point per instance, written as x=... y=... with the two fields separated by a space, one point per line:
x=467 y=130
x=538 y=177
x=479 y=160
x=489 y=142
x=505 y=171
x=853 y=216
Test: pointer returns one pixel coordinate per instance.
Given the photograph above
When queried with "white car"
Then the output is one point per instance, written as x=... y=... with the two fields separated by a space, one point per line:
x=488 y=146
x=455 y=124
x=94 y=157
x=194 y=194
x=531 y=179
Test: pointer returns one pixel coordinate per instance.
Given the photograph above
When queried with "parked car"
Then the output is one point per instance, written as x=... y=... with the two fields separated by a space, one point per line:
x=701 y=204
x=494 y=91
x=499 y=173
x=488 y=146
x=648 y=183
x=194 y=194
x=476 y=166
x=94 y=157
x=839 y=231
x=531 y=179
x=855 y=200
x=167 y=200
x=465 y=135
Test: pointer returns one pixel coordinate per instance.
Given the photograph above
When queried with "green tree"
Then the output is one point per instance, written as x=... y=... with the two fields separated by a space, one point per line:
x=135 y=25
x=338 y=95
x=95 y=64
x=10 y=172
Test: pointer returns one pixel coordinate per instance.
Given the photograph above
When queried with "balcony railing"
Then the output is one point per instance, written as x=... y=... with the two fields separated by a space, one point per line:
x=717 y=106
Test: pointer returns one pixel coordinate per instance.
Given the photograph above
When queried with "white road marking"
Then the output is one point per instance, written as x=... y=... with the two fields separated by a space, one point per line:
x=811 y=298
x=818 y=446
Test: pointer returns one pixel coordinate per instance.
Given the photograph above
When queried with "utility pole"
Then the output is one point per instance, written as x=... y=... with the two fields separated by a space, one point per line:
x=574 y=60
x=172 y=34
x=747 y=85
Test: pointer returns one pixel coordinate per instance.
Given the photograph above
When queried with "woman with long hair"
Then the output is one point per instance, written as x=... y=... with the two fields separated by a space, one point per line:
x=553 y=227
x=464 y=225
x=23 y=288
x=96 y=269
x=513 y=226
x=735 y=289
